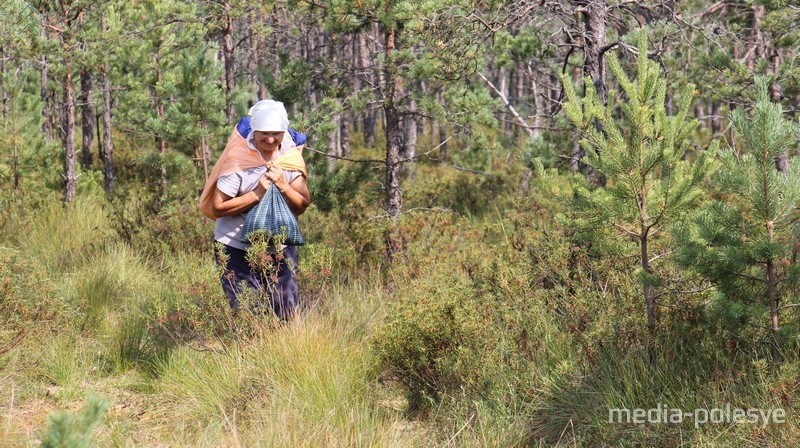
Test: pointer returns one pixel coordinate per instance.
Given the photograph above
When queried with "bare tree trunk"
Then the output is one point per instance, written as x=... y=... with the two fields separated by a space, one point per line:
x=99 y=136
x=759 y=50
x=333 y=144
x=502 y=91
x=252 y=57
x=274 y=52
x=15 y=144
x=392 y=129
x=87 y=118
x=334 y=150
x=576 y=155
x=161 y=142
x=346 y=58
x=205 y=150
x=517 y=91
x=344 y=133
x=773 y=306
x=108 y=147
x=3 y=91
x=368 y=123
x=716 y=118
x=228 y=61
x=594 y=41
x=772 y=292
x=410 y=132
x=443 y=140
x=261 y=48
x=539 y=106
x=70 y=179
x=699 y=110
x=644 y=260
x=45 y=92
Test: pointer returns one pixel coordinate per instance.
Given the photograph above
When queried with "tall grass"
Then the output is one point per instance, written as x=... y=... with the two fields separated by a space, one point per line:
x=61 y=236
x=114 y=280
x=66 y=361
x=302 y=383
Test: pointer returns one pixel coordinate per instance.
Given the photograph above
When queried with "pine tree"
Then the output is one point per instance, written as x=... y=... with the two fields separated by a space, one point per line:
x=649 y=183
x=153 y=68
x=745 y=242
x=74 y=429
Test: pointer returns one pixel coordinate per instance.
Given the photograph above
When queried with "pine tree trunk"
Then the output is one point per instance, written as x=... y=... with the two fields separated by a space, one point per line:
x=261 y=48
x=252 y=59
x=15 y=145
x=205 y=150
x=773 y=306
x=333 y=145
x=344 y=132
x=392 y=130
x=500 y=82
x=108 y=147
x=410 y=132
x=517 y=93
x=70 y=179
x=161 y=142
x=716 y=118
x=594 y=41
x=228 y=61
x=576 y=155
x=772 y=291
x=87 y=118
x=346 y=58
x=45 y=93
x=368 y=123
x=647 y=289
x=443 y=140
x=277 y=29
x=99 y=136
x=539 y=106
x=3 y=91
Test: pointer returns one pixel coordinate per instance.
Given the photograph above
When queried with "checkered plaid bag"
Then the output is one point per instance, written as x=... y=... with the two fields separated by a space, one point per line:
x=272 y=214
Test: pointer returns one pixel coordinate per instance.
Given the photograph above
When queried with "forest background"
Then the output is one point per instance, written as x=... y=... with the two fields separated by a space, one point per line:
x=525 y=213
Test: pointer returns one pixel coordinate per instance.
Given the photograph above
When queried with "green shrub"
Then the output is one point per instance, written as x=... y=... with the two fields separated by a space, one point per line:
x=470 y=329
x=315 y=270
x=195 y=311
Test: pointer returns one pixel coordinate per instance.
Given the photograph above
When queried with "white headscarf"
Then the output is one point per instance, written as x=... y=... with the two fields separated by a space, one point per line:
x=269 y=116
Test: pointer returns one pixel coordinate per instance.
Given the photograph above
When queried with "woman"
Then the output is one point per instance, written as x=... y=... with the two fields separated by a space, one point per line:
x=252 y=161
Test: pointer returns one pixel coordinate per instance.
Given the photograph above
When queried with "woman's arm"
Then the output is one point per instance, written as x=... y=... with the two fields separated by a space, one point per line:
x=224 y=205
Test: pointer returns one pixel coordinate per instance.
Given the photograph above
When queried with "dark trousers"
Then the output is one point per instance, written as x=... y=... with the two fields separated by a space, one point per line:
x=279 y=289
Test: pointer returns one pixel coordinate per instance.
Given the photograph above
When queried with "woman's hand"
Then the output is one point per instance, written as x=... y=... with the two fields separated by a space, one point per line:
x=276 y=175
x=296 y=195
x=262 y=187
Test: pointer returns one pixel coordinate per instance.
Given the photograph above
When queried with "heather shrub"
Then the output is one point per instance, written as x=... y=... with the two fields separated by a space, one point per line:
x=315 y=269
x=196 y=312
x=468 y=327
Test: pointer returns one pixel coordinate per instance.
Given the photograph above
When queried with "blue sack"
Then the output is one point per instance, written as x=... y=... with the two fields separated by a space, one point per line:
x=273 y=216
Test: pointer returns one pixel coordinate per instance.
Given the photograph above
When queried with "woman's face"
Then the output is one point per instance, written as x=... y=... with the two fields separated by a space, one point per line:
x=267 y=141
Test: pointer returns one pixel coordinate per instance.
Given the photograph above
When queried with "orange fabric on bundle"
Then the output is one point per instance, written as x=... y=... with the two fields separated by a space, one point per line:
x=238 y=156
